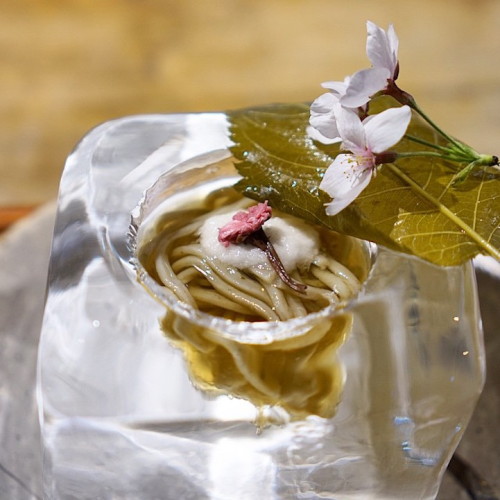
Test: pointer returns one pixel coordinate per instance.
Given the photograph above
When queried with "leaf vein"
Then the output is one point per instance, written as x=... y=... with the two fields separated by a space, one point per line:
x=433 y=234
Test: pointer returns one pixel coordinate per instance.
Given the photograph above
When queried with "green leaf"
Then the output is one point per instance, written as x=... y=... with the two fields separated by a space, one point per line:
x=410 y=206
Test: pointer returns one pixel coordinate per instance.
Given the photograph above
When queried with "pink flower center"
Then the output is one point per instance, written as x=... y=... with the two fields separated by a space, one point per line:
x=365 y=159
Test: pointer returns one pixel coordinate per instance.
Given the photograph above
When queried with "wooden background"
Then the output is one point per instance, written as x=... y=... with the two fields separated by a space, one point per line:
x=66 y=66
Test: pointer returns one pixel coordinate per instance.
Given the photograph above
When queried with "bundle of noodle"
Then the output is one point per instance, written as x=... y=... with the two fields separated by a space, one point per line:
x=192 y=258
x=300 y=375
x=237 y=281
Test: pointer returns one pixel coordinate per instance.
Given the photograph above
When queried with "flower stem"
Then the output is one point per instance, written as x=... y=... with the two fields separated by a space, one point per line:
x=259 y=239
x=482 y=160
x=413 y=104
x=418 y=140
x=477 y=238
x=405 y=98
x=435 y=154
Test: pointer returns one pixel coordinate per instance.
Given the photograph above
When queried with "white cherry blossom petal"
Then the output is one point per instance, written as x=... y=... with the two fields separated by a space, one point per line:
x=387 y=128
x=316 y=135
x=338 y=88
x=323 y=119
x=325 y=124
x=344 y=180
x=324 y=103
x=363 y=85
x=382 y=47
x=351 y=130
x=394 y=44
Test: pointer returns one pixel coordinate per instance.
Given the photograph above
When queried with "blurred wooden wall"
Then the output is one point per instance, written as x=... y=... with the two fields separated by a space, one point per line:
x=67 y=66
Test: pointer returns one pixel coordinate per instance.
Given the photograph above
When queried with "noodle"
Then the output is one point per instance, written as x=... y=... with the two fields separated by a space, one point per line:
x=299 y=374
x=176 y=258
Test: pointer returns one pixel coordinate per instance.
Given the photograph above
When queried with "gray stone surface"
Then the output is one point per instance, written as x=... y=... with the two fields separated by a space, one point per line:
x=480 y=446
x=24 y=252
x=24 y=256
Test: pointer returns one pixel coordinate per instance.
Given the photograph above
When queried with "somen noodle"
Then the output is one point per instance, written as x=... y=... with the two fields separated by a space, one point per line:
x=239 y=283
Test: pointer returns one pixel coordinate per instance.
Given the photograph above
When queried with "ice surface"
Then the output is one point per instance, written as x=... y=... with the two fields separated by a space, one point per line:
x=120 y=416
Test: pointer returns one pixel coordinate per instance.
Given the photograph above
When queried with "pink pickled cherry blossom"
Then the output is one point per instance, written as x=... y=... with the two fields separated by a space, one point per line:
x=350 y=173
x=247 y=226
x=244 y=223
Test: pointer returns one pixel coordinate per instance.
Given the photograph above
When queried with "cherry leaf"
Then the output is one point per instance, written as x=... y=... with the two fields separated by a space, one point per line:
x=410 y=206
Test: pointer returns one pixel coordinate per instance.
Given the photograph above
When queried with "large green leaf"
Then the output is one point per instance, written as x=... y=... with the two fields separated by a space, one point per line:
x=410 y=206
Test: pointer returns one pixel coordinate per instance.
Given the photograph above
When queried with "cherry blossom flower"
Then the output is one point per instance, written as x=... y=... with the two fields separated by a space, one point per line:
x=368 y=141
x=382 y=50
x=244 y=223
x=247 y=227
x=325 y=110
x=356 y=90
